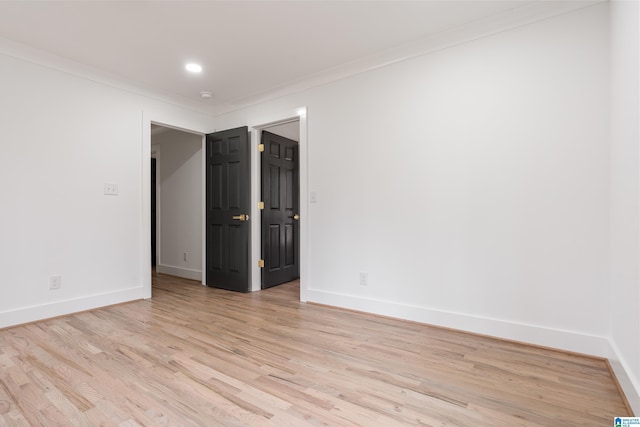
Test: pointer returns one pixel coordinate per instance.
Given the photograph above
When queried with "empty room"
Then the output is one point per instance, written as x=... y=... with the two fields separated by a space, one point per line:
x=342 y=213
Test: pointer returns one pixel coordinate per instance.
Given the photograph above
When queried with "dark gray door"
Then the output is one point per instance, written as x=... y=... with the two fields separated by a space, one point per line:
x=153 y=212
x=228 y=201
x=280 y=216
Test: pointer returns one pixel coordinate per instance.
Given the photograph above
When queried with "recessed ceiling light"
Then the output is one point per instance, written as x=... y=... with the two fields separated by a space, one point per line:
x=205 y=94
x=194 y=68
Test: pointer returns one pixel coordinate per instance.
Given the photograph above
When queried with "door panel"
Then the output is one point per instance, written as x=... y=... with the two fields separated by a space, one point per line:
x=154 y=202
x=228 y=195
x=280 y=190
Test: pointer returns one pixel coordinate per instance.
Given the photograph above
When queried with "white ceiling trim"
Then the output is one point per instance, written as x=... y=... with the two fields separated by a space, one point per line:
x=527 y=13
x=42 y=58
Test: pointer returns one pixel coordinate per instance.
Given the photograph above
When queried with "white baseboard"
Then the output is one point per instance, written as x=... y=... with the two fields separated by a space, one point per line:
x=33 y=313
x=577 y=342
x=629 y=384
x=186 y=273
x=555 y=338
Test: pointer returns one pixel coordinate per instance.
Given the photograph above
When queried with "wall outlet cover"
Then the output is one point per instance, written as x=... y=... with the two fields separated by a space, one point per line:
x=55 y=282
x=110 y=189
x=364 y=278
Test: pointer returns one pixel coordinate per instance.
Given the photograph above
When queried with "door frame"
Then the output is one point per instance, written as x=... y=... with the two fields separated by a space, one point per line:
x=299 y=115
x=202 y=127
x=181 y=123
x=284 y=272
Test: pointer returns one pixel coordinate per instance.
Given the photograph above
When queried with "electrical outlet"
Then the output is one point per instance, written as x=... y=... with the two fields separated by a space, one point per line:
x=364 y=278
x=185 y=256
x=110 y=189
x=55 y=282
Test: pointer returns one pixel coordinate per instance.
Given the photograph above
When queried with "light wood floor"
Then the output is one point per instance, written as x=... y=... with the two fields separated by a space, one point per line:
x=195 y=356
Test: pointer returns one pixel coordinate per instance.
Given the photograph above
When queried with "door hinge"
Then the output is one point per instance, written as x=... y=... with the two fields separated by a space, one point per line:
x=261 y=205
x=261 y=147
x=261 y=263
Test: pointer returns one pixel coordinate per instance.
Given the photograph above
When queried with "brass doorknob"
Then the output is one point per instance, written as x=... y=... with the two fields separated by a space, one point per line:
x=242 y=217
x=296 y=217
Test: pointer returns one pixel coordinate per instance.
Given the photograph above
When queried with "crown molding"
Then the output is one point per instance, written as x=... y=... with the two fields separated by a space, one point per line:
x=523 y=14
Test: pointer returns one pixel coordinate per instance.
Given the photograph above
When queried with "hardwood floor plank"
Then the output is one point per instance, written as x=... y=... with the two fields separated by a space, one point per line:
x=196 y=356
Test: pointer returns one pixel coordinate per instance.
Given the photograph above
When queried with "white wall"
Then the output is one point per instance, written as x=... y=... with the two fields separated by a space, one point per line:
x=180 y=203
x=61 y=138
x=476 y=185
x=625 y=197
x=472 y=184
x=289 y=130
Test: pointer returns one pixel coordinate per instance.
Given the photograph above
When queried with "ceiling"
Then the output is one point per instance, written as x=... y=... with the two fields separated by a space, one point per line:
x=249 y=50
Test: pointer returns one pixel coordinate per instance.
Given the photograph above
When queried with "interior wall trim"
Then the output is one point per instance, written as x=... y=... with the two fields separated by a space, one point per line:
x=186 y=273
x=38 y=312
x=563 y=340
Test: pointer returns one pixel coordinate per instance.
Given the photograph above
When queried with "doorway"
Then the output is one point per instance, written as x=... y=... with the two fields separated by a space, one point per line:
x=233 y=179
x=176 y=202
x=276 y=117
x=280 y=204
x=296 y=121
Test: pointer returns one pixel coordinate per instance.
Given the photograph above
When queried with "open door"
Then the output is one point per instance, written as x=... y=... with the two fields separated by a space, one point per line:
x=228 y=191
x=154 y=214
x=281 y=213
